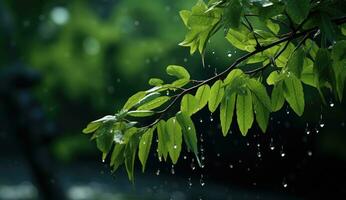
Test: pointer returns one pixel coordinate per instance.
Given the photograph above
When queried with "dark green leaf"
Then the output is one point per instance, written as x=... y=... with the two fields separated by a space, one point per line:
x=295 y=62
x=298 y=10
x=226 y=111
x=189 y=133
x=117 y=157
x=130 y=156
x=261 y=112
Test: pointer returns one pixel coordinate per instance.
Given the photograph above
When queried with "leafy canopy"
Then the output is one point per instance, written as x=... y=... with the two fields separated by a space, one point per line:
x=297 y=43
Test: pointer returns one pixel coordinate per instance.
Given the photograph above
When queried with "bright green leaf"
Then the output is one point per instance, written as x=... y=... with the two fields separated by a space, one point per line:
x=144 y=147
x=295 y=62
x=244 y=111
x=189 y=104
x=216 y=95
x=202 y=96
x=163 y=138
x=175 y=139
x=294 y=94
x=277 y=99
x=259 y=90
x=155 y=103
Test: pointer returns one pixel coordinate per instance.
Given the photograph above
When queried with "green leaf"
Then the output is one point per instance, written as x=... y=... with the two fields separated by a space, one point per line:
x=155 y=82
x=141 y=113
x=295 y=62
x=324 y=74
x=259 y=90
x=175 y=139
x=117 y=157
x=147 y=98
x=261 y=112
x=343 y=29
x=178 y=71
x=185 y=15
x=308 y=75
x=144 y=147
x=104 y=143
x=240 y=39
x=338 y=56
x=92 y=127
x=244 y=111
x=189 y=133
x=232 y=14
x=294 y=94
x=312 y=48
x=274 y=77
x=327 y=28
x=298 y=10
x=216 y=95
x=202 y=96
x=163 y=138
x=130 y=156
x=278 y=99
x=226 y=111
x=189 y=104
x=201 y=25
x=273 y=27
x=155 y=103
x=232 y=75
x=134 y=99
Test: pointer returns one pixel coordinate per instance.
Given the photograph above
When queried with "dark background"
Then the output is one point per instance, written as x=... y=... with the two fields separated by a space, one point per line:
x=65 y=63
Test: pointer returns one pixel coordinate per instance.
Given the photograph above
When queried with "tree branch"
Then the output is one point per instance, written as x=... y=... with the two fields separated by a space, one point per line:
x=293 y=35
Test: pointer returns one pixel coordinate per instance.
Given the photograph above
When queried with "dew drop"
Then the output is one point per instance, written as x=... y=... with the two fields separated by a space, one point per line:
x=175 y=146
x=229 y=55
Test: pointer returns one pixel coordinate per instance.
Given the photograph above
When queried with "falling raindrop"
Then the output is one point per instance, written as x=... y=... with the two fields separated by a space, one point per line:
x=201 y=120
x=192 y=165
x=229 y=55
x=185 y=157
x=231 y=166
x=259 y=154
x=167 y=93
x=321 y=121
x=284 y=183
x=201 y=180
x=157 y=172
x=309 y=153
x=172 y=170
x=271 y=144
x=218 y=155
x=282 y=153
x=211 y=118
x=190 y=182
x=331 y=104
x=247 y=144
